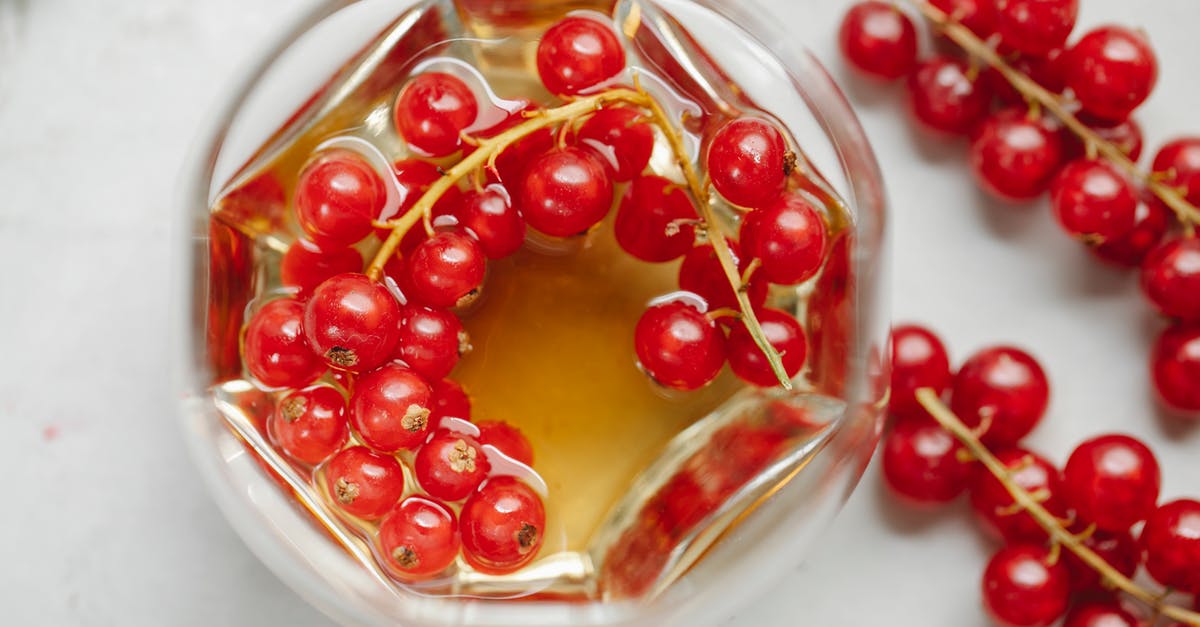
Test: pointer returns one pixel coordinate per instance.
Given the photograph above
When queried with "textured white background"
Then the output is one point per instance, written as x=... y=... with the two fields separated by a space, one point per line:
x=106 y=523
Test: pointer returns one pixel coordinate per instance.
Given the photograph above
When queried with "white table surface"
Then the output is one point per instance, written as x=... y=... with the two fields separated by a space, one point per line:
x=105 y=521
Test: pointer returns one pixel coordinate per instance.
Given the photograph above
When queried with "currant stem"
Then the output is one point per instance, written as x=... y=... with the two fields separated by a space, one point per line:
x=932 y=403
x=1036 y=95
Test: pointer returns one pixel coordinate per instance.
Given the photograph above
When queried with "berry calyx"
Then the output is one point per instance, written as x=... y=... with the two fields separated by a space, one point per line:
x=565 y=192
x=276 y=351
x=507 y=439
x=678 y=346
x=1092 y=201
x=432 y=111
x=1003 y=389
x=785 y=335
x=1024 y=586
x=503 y=526
x=1171 y=278
x=419 y=537
x=450 y=466
x=578 y=53
x=489 y=215
x=922 y=462
x=309 y=424
x=701 y=274
x=656 y=220
x=445 y=270
x=995 y=507
x=748 y=162
x=364 y=483
x=1035 y=26
x=337 y=196
x=1014 y=156
x=306 y=265
x=1175 y=367
x=1112 y=70
x=389 y=409
x=620 y=138
x=1171 y=539
x=878 y=39
x=352 y=322
x=431 y=341
x=1111 y=481
x=919 y=360
x=788 y=237
x=945 y=95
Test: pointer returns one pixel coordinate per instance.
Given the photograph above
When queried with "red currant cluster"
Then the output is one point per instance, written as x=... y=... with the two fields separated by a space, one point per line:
x=1107 y=489
x=1043 y=115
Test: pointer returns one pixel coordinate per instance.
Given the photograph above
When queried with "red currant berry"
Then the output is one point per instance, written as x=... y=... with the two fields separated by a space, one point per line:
x=306 y=265
x=337 y=196
x=878 y=39
x=1003 y=388
x=431 y=341
x=490 y=216
x=419 y=537
x=364 y=483
x=507 y=439
x=1175 y=366
x=450 y=466
x=748 y=162
x=1112 y=481
x=678 y=346
x=921 y=461
x=1126 y=135
x=413 y=177
x=578 y=53
x=947 y=96
x=788 y=237
x=1117 y=548
x=565 y=192
x=919 y=360
x=503 y=526
x=389 y=409
x=1014 y=156
x=1100 y=614
x=1092 y=201
x=432 y=111
x=1112 y=70
x=310 y=424
x=1171 y=278
x=995 y=507
x=1178 y=163
x=1151 y=220
x=1171 y=539
x=512 y=162
x=275 y=350
x=784 y=333
x=977 y=15
x=1048 y=70
x=446 y=270
x=1035 y=26
x=1024 y=586
x=701 y=274
x=655 y=221
x=448 y=400
x=620 y=138
x=352 y=322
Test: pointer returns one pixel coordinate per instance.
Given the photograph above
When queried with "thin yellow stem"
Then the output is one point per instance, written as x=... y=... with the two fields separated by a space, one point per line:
x=1060 y=535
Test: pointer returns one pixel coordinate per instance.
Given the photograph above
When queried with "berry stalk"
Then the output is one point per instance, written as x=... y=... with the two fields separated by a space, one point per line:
x=929 y=399
x=1187 y=213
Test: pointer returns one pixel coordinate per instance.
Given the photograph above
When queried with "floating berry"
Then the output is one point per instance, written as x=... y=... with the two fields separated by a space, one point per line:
x=655 y=221
x=448 y=400
x=945 y=95
x=878 y=39
x=701 y=274
x=490 y=216
x=578 y=53
x=306 y=265
x=1171 y=278
x=450 y=466
x=445 y=270
x=788 y=237
x=1175 y=366
x=431 y=340
x=503 y=526
x=432 y=111
x=1178 y=164
x=1093 y=201
x=1003 y=388
x=977 y=15
x=1171 y=539
x=1014 y=156
x=1151 y=220
x=310 y=424
x=364 y=483
x=507 y=439
x=337 y=196
x=1112 y=70
x=921 y=461
x=389 y=409
x=748 y=162
x=1112 y=481
x=1100 y=614
x=919 y=360
x=419 y=537
x=512 y=162
x=678 y=346
x=1118 y=548
x=994 y=505
x=276 y=351
x=620 y=138
x=413 y=178
x=565 y=192
x=1035 y=26
x=785 y=335
x=352 y=322
x=1023 y=586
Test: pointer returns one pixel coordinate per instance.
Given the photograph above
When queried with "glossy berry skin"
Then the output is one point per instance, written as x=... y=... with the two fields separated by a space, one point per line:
x=489 y=216
x=448 y=400
x=1151 y=220
x=919 y=360
x=878 y=39
x=1100 y=614
x=1014 y=157
x=788 y=236
x=747 y=162
x=1175 y=367
x=503 y=526
x=364 y=483
x=1046 y=70
x=413 y=178
x=310 y=424
x=306 y=265
x=1171 y=278
x=450 y=466
x=1112 y=481
x=621 y=138
x=445 y=270
x=977 y=15
x=921 y=462
x=275 y=349
x=389 y=409
x=1022 y=588
x=419 y=537
x=1092 y=201
x=1171 y=539
x=507 y=439
x=994 y=506
x=655 y=221
x=1178 y=163
x=678 y=346
x=944 y=97
x=701 y=274
x=337 y=196
x=431 y=341
x=512 y=162
x=1035 y=26
x=352 y=322
x=578 y=53
x=432 y=111
x=784 y=333
x=1119 y=549
x=1112 y=70
x=1004 y=387
x=565 y=192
